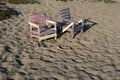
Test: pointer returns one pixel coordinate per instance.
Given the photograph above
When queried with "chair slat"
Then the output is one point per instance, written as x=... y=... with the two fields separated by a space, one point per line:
x=65 y=14
x=37 y=18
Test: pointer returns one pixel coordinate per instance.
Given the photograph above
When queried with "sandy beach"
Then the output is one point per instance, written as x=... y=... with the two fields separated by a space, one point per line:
x=92 y=55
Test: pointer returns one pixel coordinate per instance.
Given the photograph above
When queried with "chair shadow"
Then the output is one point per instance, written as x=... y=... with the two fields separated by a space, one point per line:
x=88 y=25
x=60 y=26
x=12 y=12
x=15 y=12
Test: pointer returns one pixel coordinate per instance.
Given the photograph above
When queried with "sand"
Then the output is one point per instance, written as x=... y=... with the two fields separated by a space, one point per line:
x=92 y=55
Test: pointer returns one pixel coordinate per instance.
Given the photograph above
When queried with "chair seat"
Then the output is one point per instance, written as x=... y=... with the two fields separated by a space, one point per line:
x=41 y=29
x=48 y=32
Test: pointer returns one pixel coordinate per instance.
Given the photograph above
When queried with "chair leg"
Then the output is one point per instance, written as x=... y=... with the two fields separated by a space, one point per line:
x=30 y=32
x=39 y=42
x=55 y=37
x=72 y=31
x=82 y=30
x=31 y=37
x=72 y=36
x=83 y=23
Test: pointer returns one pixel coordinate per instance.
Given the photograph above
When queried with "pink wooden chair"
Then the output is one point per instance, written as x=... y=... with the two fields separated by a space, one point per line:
x=39 y=27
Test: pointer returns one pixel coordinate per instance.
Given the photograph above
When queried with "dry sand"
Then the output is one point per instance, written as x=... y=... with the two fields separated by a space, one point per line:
x=93 y=55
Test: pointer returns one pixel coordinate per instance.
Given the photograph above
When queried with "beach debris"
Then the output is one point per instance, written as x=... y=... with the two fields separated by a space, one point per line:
x=61 y=48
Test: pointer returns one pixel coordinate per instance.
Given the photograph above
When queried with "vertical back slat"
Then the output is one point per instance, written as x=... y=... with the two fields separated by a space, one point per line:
x=38 y=18
x=65 y=14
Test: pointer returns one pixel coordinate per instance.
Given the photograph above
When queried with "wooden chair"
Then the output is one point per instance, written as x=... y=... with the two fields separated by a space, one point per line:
x=39 y=27
x=68 y=19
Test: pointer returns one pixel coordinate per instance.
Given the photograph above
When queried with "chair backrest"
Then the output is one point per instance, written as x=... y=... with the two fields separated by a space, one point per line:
x=38 y=18
x=65 y=14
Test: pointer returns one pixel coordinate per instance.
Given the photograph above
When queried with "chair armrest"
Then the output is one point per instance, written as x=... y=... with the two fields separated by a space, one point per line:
x=80 y=21
x=51 y=22
x=33 y=24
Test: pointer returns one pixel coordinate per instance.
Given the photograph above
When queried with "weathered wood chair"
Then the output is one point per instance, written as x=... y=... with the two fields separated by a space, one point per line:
x=39 y=27
x=68 y=19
